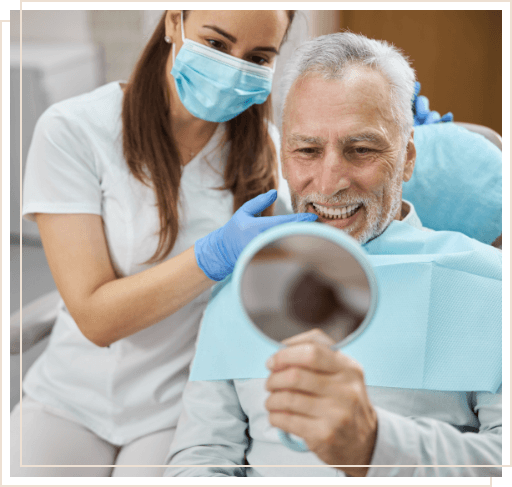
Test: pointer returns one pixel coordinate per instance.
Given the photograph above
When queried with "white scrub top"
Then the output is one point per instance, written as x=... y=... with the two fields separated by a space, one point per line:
x=75 y=164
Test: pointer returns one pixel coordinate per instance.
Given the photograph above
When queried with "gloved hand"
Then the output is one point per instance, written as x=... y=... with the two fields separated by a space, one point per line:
x=421 y=110
x=216 y=254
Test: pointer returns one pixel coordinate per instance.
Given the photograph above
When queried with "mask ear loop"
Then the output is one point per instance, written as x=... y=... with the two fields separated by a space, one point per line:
x=182 y=29
x=182 y=38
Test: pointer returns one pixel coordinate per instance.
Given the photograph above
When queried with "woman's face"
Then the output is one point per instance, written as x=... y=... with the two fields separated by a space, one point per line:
x=251 y=35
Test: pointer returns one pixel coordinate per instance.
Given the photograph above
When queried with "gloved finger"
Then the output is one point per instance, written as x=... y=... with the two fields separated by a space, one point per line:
x=417 y=88
x=271 y=221
x=432 y=117
x=259 y=203
x=422 y=106
x=447 y=117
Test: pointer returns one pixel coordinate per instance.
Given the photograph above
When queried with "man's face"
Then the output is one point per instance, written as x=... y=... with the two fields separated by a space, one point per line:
x=342 y=152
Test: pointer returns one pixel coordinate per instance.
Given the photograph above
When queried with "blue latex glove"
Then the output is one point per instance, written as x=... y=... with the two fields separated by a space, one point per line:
x=216 y=254
x=421 y=110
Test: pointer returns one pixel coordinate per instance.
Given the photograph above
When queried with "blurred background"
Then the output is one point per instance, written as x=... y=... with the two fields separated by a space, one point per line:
x=456 y=54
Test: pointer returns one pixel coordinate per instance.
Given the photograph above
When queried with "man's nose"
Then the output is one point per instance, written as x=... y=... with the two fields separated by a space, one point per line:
x=334 y=174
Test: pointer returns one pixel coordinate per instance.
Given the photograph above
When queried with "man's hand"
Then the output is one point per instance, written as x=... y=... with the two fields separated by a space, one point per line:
x=319 y=394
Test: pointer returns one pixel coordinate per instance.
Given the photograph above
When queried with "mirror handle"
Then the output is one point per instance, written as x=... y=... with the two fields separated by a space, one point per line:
x=292 y=443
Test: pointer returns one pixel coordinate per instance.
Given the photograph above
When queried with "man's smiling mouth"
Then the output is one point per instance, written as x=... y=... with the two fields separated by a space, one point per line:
x=336 y=213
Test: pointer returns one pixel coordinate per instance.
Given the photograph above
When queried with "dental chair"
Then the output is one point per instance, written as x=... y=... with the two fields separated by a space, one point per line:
x=40 y=315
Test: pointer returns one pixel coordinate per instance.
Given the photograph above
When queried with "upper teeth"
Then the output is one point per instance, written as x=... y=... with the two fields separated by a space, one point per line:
x=330 y=212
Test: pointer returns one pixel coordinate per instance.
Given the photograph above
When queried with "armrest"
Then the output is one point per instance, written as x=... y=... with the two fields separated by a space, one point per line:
x=38 y=319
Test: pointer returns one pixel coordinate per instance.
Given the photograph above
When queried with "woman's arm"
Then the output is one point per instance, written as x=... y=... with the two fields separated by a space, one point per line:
x=107 y=308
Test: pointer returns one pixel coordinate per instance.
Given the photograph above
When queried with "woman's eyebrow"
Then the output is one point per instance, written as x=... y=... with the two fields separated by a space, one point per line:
x=233 y=39
x=229 y=37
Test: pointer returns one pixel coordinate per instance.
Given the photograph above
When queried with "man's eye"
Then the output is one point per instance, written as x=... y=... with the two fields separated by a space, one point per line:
x=307 y=151
x=362 y=150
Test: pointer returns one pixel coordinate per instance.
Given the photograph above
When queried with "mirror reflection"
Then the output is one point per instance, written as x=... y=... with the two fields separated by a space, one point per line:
x=301 y=282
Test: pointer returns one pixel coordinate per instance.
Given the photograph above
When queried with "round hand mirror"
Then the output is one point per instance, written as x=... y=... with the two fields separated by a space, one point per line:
x=308 y=276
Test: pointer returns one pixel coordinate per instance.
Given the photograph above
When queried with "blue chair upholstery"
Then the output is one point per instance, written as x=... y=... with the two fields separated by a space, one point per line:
x=457 y=181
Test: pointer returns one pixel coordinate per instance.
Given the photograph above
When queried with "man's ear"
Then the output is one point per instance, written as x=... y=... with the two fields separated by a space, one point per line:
x=410 y=158
x=173 y=24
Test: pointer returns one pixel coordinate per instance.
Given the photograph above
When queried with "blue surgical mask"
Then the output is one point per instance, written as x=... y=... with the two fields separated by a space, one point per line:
x=215 y=86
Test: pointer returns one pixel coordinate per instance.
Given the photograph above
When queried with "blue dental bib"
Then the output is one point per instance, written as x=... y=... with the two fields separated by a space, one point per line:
x=437 y=325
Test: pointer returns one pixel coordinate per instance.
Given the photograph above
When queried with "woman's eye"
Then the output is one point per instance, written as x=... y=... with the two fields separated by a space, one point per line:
x=258 y=60
x=215 y=44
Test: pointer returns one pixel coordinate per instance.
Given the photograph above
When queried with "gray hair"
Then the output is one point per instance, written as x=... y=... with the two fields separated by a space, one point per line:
x=332 y=55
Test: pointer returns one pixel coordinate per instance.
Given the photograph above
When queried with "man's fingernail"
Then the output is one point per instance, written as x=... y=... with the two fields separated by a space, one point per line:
x=270 y=363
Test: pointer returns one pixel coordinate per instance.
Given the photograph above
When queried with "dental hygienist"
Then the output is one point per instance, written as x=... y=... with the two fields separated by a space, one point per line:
x=133 y=187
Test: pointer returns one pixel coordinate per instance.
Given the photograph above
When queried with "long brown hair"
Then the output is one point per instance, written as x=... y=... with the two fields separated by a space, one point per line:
x=150 y=150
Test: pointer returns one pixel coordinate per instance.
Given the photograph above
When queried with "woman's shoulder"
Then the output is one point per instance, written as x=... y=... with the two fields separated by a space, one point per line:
x=99 y=108
x=84 y=128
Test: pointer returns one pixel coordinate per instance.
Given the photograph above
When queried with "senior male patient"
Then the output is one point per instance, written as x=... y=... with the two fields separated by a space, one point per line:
x=347 y=146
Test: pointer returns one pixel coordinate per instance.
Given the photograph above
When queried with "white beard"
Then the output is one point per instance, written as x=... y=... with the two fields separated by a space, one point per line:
x=376 y=221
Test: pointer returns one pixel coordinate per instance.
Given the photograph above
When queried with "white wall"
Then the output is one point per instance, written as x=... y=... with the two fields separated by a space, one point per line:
x=120 y=34
x=149 y=20
x=51 y=25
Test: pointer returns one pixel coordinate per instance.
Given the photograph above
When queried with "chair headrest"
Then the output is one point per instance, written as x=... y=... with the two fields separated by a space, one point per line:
x=456 y=184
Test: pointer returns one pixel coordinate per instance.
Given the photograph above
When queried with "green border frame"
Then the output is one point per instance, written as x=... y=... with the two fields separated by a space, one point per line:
x=8 y=5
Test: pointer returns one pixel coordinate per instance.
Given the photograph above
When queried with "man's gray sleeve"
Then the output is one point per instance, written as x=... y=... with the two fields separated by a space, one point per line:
x=424 y=442
x=211 y=431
